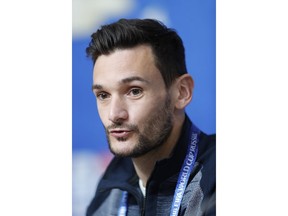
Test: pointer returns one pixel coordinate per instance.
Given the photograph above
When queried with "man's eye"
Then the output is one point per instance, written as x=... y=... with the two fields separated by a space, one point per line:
x=135 y=92
x=102 y=96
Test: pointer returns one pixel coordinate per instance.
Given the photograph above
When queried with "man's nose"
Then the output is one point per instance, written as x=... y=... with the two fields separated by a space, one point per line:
x=118 y=112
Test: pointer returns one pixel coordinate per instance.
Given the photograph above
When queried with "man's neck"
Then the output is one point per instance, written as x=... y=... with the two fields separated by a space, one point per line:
x=144 y=165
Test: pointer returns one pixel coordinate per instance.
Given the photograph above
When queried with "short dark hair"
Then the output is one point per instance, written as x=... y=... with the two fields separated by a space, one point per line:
x=167 y=46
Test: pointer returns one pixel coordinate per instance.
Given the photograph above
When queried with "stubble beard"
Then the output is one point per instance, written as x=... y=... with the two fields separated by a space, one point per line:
x=156 y=131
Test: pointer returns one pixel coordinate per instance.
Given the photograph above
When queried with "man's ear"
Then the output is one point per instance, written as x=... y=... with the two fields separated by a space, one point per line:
x=185 y=86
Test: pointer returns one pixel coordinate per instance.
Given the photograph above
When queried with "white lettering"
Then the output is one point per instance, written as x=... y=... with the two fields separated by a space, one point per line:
x=185 y=172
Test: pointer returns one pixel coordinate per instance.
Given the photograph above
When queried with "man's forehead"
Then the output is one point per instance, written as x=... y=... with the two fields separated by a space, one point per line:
x=125 y=68
x=127 y=65
x=135 y=54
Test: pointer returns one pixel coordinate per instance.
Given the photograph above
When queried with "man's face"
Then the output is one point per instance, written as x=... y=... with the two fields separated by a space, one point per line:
x=133 y=103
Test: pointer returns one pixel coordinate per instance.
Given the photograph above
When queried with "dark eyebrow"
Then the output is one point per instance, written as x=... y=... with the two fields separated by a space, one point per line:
x=96 y=86
x=133 y=78
x=125 y=80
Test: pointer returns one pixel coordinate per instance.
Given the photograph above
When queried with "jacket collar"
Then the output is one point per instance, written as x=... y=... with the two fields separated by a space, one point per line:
x=171 y=166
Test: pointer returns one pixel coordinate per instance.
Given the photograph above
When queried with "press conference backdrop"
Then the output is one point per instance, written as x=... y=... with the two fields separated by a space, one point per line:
x=194 y=20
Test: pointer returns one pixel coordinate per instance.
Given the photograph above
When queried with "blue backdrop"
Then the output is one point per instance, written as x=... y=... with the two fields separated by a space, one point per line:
x=194 y=20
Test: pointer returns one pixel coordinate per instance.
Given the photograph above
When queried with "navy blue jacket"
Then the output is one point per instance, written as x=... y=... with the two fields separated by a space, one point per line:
x=199 y=197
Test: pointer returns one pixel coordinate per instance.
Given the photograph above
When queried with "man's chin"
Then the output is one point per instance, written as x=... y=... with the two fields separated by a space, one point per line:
x=121 y=149
x=126 y=153
x=118 y=153
x=132 y=153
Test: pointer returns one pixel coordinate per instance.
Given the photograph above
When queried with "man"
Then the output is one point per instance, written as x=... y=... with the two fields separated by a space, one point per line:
x=163 y=163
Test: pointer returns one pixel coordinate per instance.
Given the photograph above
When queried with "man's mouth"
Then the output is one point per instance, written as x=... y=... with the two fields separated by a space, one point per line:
x=120 y=133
